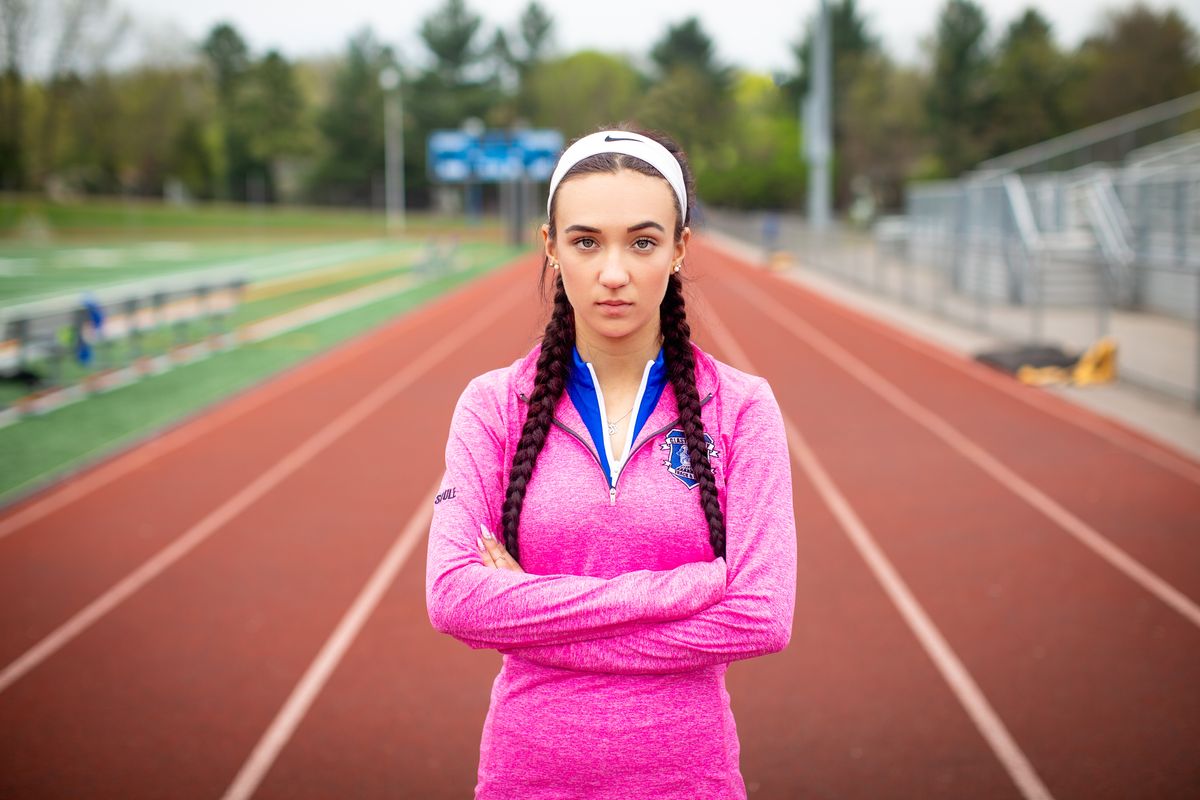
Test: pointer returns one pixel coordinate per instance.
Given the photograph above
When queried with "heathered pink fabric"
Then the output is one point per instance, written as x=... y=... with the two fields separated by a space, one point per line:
x=617 y=638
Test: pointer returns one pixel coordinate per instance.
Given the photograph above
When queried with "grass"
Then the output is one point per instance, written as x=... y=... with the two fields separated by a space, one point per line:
x=34 y=272
x=298 y=256
x=41 y=447
x=25 y=216
x=301 y=290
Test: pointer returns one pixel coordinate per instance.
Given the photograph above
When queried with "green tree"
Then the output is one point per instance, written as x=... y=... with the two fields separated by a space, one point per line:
x=121 y=132
x=15 y=24
x=449 y=33
x=451 y=89
x=94 y=161
x=535 y=30
x=1029 y=79
x=463 y=80
x=687 y=45
x=84 y=34
x=883 y=149
x=684 y=105
x=153 y=103
x=577 y=93
x=758 y=165
x=351 y=169
x=958 y=95
x=692 y=97
x=271 y=109
x=1140 y=58
x=270 y=117
x=192 y=158
x=228 y=59
x=78 y=37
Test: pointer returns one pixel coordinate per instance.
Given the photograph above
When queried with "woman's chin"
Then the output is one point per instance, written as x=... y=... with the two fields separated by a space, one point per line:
x=616 y=329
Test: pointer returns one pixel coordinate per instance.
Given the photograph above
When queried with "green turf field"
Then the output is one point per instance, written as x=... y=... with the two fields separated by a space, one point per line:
x=34 y=272
x=338 y=254
x=27 y=216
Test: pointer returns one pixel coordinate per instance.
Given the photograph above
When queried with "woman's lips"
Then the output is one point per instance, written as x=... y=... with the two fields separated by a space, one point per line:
x=614 y=307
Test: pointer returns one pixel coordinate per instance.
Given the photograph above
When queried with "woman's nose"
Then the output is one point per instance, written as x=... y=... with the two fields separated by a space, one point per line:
x=613 y=274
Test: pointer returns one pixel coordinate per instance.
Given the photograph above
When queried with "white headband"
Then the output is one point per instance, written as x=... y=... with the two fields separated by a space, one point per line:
x=630 y=144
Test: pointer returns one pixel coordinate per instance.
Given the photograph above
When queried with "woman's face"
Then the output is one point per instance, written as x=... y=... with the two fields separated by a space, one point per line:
x=615 y=248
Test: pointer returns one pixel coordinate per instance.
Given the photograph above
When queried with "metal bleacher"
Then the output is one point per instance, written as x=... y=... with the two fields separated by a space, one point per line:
x=1109 y=215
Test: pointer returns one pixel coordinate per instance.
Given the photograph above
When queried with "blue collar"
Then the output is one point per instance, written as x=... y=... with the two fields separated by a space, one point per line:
x=586 y=398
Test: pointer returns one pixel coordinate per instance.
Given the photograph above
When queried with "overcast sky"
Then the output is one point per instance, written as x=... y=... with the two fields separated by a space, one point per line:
x=749 y=33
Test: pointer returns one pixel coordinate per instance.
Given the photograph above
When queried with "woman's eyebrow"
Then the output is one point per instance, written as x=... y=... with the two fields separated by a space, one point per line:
x=589 y=229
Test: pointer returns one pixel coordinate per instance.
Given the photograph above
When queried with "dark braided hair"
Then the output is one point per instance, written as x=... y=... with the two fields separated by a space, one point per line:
x=555 y=359
x=681 y=369
x=552 y=366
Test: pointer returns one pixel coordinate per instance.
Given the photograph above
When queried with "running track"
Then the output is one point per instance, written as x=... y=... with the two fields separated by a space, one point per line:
x=996 y=593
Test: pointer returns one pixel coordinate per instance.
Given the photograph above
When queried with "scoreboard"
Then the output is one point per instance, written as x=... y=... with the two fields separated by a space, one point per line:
x=459 y=156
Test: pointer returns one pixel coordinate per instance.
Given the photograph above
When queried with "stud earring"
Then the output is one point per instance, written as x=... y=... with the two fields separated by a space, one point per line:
x=678 y=264
x=554 y=265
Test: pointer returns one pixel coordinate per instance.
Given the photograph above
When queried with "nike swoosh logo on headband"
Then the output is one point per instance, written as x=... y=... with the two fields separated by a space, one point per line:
x=619 y=139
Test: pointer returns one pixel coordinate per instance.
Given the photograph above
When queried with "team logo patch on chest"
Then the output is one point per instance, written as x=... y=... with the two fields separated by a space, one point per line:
x=678 y=463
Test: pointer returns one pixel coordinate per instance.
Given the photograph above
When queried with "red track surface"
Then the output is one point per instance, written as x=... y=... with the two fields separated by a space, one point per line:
x=1095 y=679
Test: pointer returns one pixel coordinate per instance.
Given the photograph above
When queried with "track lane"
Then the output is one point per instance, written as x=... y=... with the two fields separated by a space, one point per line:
x=1148 y=511
x=924 y=629
x=403 y=712
x=68 y=553
x=167 y=694
x=1086 y=668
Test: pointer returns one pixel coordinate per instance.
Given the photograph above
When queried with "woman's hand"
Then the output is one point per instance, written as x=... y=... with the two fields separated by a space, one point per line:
x=493 y=553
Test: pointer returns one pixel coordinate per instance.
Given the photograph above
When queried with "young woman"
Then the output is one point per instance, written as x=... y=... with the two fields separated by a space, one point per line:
x=616 y=517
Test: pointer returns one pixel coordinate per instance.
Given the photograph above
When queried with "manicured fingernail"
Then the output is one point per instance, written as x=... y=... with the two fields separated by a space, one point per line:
x=486 y=533
x=479 y=542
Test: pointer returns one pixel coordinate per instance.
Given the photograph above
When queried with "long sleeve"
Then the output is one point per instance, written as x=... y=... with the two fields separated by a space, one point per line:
x=755 y=616
x=491 y=608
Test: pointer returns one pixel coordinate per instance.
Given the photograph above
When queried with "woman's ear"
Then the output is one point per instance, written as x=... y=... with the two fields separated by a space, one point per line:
x=681 y=246
x=547 y=242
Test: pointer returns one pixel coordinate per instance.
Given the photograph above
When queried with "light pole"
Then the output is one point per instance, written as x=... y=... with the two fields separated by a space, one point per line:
x=818 y=121
x=393 y=147
x=473 y=188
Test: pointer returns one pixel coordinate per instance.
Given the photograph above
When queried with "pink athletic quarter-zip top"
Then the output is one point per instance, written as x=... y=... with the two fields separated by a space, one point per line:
x=616 y=639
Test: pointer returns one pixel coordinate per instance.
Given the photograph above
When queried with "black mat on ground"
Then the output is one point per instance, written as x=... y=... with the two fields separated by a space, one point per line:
x=1028 y=355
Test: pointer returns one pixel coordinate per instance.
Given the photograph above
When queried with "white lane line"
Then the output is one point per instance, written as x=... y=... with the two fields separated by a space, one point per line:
x=318 y=673
x=986 y=720
x=268 y=480
x=1160 y=454
x=190 y=429
x=1084 y=533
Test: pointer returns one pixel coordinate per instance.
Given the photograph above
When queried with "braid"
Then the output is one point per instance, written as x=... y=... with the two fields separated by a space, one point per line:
x=681 y=369
x=552 y=366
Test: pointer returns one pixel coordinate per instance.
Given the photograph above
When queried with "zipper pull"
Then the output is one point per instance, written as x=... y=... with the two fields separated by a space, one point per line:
x=612 y=496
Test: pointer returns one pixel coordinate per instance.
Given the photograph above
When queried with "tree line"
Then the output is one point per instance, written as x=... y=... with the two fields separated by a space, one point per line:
x=220 y=121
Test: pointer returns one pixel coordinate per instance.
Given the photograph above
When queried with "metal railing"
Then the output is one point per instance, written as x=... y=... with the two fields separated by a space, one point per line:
x=934 y=263
x=1113 y=232
x=73 y=337
x=1110 y=141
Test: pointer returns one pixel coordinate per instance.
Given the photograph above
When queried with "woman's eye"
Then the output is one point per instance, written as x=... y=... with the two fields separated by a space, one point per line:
x=644 y=244
x=585 y=242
